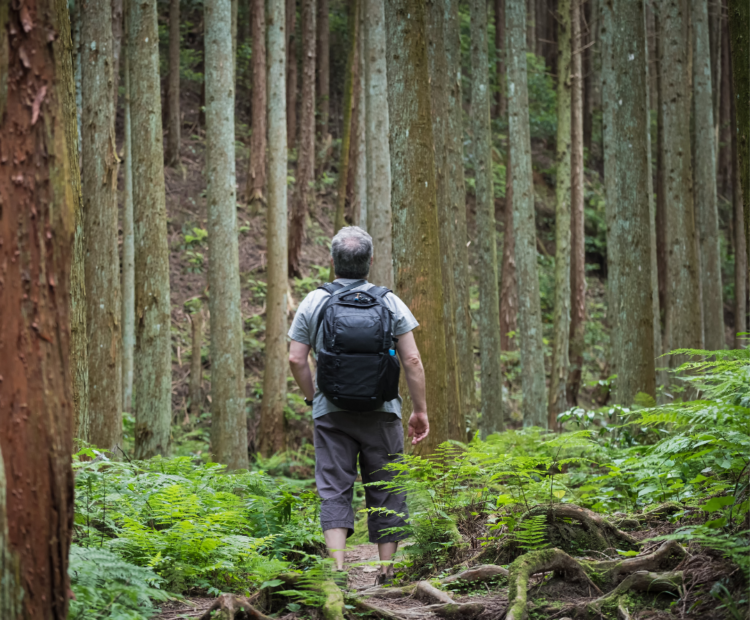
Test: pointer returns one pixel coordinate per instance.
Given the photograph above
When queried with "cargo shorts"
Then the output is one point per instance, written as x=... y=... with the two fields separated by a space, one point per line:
x=376 y=439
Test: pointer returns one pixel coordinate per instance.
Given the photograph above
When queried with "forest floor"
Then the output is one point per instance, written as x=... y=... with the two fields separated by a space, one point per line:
x=654 y=585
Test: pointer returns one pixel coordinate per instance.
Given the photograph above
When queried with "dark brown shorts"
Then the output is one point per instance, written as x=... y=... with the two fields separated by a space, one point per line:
x=376 y=439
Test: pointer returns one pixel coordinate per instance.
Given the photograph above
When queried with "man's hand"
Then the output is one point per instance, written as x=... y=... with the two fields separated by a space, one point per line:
x=419 y=427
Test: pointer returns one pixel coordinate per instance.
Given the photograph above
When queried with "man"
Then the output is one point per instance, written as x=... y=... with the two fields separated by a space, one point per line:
x=375 y=437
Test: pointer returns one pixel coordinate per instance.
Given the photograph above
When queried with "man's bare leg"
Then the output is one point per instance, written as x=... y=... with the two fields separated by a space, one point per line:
x=336 y=543
x=386 y=551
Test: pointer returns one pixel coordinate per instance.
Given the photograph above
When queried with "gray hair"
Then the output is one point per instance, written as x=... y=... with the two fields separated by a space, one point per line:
x=351 y=250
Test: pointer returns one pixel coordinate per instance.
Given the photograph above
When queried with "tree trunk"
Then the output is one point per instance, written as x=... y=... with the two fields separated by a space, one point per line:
x=343 y=173
x=740 y=239
x=489 y=320
x=508 y=280
x=234 y=15
x=529 y=310
x=128 y=250
x=531 y=44
x=153 y=354
x=322 y=67
x=739 y=27
x=256 y=176
x=560 y=356
x=196 y=363
x=588 y=39
x=291 y=73
x=707 y=214
x=117 y=26
x=628 y=216
x=456 y=195
x=228 y=424
x=683 y=320
x=501 y=102
x=173 y=86
x=40 y=195
x=376 y=140
x=715 y=28
x=661 y=376
x=725 y=153
x=416 y=245
x=577 y=220
x=661 y=202
x=306 y=149
x=437 y=15
x=360 y=142
x=272 y=430
x=99 y=180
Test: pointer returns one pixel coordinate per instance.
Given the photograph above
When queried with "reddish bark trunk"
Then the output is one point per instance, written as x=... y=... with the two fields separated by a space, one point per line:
x=291 y=73
x=501 y=103
x=256 y=176
x=39 y=191
x=508 y=286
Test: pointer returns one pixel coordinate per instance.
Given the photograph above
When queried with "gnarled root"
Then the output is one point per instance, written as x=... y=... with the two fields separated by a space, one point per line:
x=602 y=532
x=368 y=608
x=642 y=581
x=612 y=569
x=426 y=591
x=231 y=607
x=484 y=572
x=540 y=562
x=457 y=611
x=423 y=590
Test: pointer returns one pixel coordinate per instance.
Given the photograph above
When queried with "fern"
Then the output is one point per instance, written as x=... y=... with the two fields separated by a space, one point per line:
x=531 y=533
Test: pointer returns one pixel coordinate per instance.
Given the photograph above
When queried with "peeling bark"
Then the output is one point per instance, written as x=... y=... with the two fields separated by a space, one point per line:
x=256 y=175
x=39 y=194
x=173 y=87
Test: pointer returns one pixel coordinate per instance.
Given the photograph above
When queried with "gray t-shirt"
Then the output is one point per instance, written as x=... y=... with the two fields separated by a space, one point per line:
x=306 y=321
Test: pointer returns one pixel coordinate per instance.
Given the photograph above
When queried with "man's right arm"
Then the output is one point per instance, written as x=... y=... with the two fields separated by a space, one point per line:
x=419 y=426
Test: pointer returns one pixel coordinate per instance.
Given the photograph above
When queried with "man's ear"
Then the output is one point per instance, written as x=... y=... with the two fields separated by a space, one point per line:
x=371 y=257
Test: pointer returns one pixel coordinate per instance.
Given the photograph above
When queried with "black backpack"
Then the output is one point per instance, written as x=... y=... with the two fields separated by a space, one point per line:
x=358 y=369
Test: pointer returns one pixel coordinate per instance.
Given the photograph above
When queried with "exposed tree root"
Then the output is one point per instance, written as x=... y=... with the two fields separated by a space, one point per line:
x=642 y=581
x=539 y=562
x=601 y=534
x=422 y=590
x=484 y=572
x=427 y=592
x=457 y=611
x=612 y=569
x=231 y=607
x=368 y=608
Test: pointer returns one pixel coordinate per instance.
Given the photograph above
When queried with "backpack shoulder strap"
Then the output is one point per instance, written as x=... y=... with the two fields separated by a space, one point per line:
x=331 y=287
x=378 y=291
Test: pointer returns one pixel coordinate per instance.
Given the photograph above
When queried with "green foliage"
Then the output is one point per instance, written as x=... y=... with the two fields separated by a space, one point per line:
x=105 y=586
x=531 y=533
x=194 y=525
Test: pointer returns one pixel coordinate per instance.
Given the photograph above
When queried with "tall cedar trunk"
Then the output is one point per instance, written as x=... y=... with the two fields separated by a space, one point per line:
x=117 y=28
x=360 y=152
x=715 y=29
x=173 y=86
x=489 y=319
x=256 y=176
x=502 y=101
x=529 y=305
x=291 y=72
x=508 y=283
x=99 y=180
x=738 y=209
x=40 y=195
x=531 y=44
x=588 y=38
x=456 y=193
x=739 y=29
x=234 y=15
x=706 y=209
x=628 y=216
x=322 y=68
x=376 y=140
x=153 y=351
x=228 y=424
x=661 y=375
x=661 y=202
x=560 y=356
x=128 y=248
x=78 y=336
x=196 y=363
x=725 y=155
x=437 y=15
x=272 y=430
x=577 y=220
x=683 y=317
x=416 y=237
x=346 y=134
x=306 y=149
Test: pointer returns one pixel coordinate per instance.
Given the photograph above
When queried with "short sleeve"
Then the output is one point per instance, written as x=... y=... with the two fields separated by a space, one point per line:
x=404 y=320
x=300 y=328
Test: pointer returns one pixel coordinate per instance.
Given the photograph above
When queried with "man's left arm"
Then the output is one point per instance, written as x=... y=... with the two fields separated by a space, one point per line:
x=300 y=368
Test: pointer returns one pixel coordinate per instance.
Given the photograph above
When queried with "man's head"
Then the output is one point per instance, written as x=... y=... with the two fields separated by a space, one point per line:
x=351 y=250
